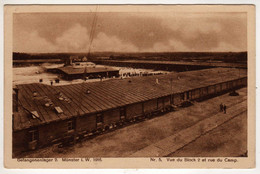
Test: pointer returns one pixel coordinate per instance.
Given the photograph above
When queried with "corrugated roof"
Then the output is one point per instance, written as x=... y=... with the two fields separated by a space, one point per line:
x=156 y=62
x=71 y=70
x=74 y=99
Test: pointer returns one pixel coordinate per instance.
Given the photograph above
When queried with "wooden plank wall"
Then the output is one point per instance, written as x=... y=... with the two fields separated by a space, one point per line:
x=86 y=123
x=111 y=116
x=20 y=141
x=150 y=106
x=167 y=101
x=133 y=110
x=160 y=104
x=177 y=99
x=52 y=131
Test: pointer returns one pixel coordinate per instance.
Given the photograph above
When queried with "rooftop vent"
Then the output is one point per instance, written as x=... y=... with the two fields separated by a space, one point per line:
x=88 y=91
x=62 y=97
x=48 y=102
x=35 y=94
x=58 y=110
x=35 y=114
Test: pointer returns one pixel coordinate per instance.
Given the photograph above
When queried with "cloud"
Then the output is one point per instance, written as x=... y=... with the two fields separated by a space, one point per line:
x=170 y=46
x=207 y=32
x=33 y=42
x=130 y=32
x=179 y=46
x=190 y=28
x=225 y=47
x=75 y=39
x=111 y=43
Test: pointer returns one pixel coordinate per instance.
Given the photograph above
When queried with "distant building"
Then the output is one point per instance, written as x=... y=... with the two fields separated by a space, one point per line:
x=84 y=59
x=81 y=72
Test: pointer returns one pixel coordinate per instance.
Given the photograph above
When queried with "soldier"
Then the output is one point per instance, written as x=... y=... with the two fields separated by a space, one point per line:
x=221 y=107
x=225 y=109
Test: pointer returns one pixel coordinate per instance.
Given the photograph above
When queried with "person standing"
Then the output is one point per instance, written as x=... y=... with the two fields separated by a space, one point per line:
x=221 y=107
x=225 y=109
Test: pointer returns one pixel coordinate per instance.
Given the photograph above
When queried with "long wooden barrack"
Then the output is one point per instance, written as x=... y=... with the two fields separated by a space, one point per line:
x=78 y=110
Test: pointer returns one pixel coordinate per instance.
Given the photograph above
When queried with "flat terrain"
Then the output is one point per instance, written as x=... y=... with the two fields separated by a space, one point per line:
x=171 y=144
x=32 y=74
x=214 y=64
x=227 y=140
x=132 y=139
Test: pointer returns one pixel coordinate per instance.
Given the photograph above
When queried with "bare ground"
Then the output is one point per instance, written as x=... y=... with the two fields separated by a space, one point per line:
x=228 y=140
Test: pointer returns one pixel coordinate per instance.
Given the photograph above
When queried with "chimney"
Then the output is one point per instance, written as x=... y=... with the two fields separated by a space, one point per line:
x=15 y=99
x=157 y=81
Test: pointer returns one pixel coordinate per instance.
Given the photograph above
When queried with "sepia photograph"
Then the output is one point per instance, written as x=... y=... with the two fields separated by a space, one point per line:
x=153 y=83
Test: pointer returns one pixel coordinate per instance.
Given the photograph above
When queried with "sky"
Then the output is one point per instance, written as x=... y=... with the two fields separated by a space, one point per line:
x=129 y=32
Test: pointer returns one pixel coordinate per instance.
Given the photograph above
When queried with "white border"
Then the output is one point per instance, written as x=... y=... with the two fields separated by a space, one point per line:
x=127 y=171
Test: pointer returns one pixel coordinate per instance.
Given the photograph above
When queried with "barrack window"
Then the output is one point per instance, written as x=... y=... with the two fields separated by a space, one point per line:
x=71 y=125
x=100 y=118
x=33 y=135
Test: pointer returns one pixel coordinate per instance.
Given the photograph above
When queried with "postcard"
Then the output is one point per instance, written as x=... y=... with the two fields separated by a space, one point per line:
x=129 y=86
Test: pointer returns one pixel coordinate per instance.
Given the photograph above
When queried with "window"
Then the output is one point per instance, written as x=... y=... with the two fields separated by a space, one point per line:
x=182 y=96
x=188 y=95
x=33 y=135
x=100 y=118
x=172 y=99
x=122 y=113
x=71 y=125
x=160 y=103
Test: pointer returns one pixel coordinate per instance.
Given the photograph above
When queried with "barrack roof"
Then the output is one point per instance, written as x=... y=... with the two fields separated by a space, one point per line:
x=70 y=70
x=188 y=63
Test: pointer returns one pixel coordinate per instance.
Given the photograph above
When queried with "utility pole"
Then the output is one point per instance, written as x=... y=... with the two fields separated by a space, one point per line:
x=91 y=37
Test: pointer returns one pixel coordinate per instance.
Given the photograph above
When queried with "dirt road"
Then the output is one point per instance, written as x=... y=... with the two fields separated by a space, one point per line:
x=227 y=140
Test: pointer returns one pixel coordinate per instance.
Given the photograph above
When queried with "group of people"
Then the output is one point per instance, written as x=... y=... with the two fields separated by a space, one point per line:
x=223 y=108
